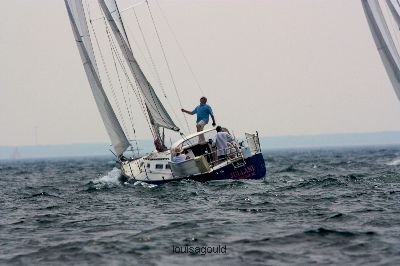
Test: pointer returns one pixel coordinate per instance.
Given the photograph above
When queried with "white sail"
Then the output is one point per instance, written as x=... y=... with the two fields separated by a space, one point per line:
x=79 y=27
x=156 y=110
x=383 y=40
x=394 y=6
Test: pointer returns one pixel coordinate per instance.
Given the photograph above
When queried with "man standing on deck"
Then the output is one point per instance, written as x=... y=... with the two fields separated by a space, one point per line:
x=203 y=112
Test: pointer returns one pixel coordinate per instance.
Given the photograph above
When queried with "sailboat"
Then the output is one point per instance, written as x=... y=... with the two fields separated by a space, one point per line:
x=243 y=160
x=384 y=36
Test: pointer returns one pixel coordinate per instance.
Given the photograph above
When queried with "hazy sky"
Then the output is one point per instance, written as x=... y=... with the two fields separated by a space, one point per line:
x=282 y=67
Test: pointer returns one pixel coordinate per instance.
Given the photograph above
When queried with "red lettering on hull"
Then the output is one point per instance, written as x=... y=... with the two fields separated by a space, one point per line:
x=244 y=173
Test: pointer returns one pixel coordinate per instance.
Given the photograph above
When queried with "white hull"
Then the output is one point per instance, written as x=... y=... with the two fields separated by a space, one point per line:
x=151 y=168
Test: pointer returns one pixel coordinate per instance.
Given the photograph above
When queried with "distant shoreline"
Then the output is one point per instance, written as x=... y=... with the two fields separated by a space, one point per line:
x=327 y=141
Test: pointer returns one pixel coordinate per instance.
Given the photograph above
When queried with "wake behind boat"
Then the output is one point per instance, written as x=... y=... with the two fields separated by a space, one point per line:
x=203 y=160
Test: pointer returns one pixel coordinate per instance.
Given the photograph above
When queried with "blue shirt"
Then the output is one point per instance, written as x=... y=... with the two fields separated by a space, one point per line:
x=203 y=112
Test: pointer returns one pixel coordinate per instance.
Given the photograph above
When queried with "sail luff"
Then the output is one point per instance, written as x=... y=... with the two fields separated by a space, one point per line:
x=81 y=33
x=384 y=42
x=156 y=110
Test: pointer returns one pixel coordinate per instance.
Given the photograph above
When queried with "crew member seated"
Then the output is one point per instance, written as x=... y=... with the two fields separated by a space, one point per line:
x=179 y=156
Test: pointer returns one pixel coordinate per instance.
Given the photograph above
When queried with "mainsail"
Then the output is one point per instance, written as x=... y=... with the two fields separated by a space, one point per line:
x=383 y=39
x=79 y=27
x=394 y=6
x=160 y=117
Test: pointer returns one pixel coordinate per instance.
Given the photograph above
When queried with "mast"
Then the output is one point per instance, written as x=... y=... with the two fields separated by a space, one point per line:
x=159 y=117
x=383 y=39
x=77 y=18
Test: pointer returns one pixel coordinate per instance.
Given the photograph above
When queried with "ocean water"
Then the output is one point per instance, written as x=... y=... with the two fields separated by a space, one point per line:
x=321 y=207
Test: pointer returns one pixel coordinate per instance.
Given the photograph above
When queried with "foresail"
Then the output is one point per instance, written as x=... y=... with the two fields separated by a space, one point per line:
x=154 y=106
x=79 y=27
x=384 y=41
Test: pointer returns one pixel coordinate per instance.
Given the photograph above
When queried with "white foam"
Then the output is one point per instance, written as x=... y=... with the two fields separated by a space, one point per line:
x=394 y=162
x=144 y=184
x=111 y=179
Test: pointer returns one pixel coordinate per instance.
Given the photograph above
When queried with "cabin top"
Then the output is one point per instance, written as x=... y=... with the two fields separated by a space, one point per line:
x=195 y=138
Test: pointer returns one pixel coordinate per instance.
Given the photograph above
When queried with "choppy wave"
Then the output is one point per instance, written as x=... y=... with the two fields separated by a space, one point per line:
x=333 y=207
x=111 y=179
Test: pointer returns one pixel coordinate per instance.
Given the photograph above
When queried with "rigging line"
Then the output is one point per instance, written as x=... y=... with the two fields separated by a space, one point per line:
x=133 y=88
x=90 y=39
x=131 y=84
x=92 y=19
x=136 y=43
x=112 y=44
x=113 y=90
x=121 y=11
x=127 y=48
x=120 y=83
x=130 y=96
x=98 y=18
x=132 y=6
x=148 y=51
x=107 y=74
x=88 y=9
x=126 y=105
x=136 y=92
x=154 y=70
x=114 y=53
x=180 y=48
x=168 y=66
x=109 y=80
x=138 y=96
x=153 y=95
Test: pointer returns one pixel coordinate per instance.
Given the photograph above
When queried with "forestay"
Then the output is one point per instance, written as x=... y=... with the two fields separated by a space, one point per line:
x=77 y=18
x=383 y=39
x=157 y=112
